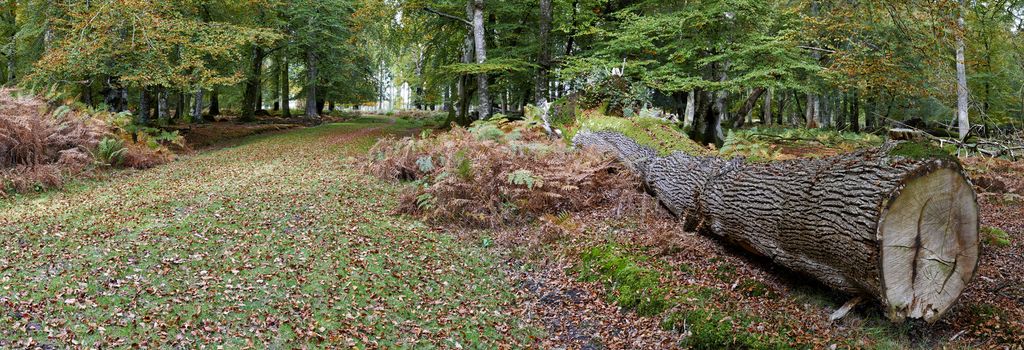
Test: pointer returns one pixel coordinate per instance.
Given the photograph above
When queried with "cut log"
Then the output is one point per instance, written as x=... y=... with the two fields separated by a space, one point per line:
x=898 y=229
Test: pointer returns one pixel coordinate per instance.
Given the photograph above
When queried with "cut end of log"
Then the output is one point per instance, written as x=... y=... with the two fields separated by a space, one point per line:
x=929 y=243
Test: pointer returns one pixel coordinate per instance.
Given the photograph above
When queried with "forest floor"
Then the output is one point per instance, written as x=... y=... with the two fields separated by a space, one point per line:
x=280 y=241
x=275 y=243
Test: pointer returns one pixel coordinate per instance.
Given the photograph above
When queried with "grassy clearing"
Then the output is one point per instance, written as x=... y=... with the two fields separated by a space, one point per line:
x=275 y=243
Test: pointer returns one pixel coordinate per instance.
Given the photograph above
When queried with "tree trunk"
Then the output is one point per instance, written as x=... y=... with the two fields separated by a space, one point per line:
x=691 y=108
x=162 y=113
x=766 y=108
x=869 y=113
x=311 y=80
x=748 y=106
x=197 y=107
x=285 y=97
x=854 y=111
x=713 y=132
x=481 y=57
x=143 y=106
x=252 y=85
x=214 y=104
x=544 y=58
x=179 y=111
x=901 y=230
x=962 y=93
x=813 y=114
x=12 y=49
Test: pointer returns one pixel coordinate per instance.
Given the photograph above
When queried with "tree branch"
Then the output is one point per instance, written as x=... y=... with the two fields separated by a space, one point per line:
x=816 y=49
x=445 y=15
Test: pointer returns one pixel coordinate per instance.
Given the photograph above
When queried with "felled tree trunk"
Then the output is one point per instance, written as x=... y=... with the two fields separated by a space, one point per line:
x=901 y=230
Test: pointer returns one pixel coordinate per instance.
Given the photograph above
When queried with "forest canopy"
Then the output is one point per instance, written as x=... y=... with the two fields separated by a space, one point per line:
x=848 y=65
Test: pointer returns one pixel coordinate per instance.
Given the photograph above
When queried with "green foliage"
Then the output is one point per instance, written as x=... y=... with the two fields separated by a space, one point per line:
x=111 y=151
x=523 y=177
x=994 y=236
x=767 y=144
x=631 y=285
x=500 y=65
x=425 y=164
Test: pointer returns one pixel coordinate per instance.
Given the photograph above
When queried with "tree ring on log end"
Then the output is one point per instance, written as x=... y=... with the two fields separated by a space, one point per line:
x=929 y=243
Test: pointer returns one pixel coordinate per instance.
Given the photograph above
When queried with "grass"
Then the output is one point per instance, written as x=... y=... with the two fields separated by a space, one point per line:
x=275 y=243
x=995 y=237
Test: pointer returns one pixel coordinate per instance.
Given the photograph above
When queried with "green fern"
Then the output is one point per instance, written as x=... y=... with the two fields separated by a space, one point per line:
x=526 y=178
x=425 y=163
x=111 y=151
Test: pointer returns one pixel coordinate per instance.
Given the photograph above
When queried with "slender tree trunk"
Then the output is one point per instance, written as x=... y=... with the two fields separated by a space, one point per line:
x=179 y=111
x=854 y=111
x=161 y=105
x=463 y=85
x=748 y=106
x=285 y=93
x=143 y=107
x=544 y=58
x=962 y=92
x=311 y=81
x=766 y=108
x=869 y=114
x=481 y=56
x=12 y=49
x=813 y=115
x=197 y=106
x=691 y=108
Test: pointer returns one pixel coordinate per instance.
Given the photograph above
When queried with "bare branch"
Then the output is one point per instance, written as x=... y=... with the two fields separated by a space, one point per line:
x=445 y=15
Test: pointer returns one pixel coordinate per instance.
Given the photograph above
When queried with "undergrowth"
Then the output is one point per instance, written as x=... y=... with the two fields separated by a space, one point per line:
x=41 y=146
x=770 y=144
x=497 y=173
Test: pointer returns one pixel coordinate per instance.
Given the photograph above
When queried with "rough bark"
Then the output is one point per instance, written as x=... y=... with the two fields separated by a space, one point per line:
x=901 y=230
